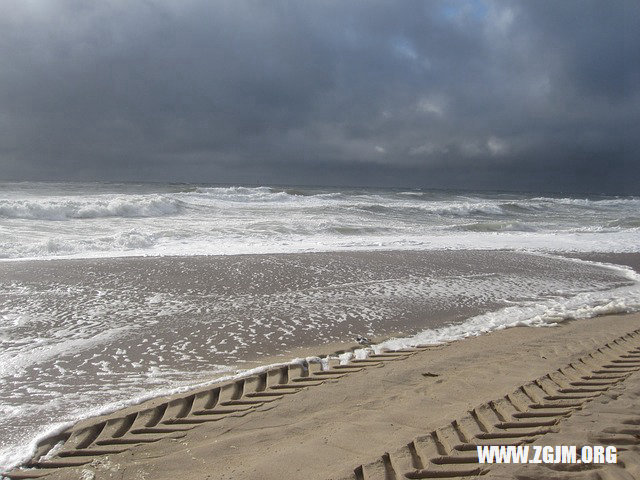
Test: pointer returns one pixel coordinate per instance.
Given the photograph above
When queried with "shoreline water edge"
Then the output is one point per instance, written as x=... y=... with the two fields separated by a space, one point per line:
x=555 y=309
x=115 y=293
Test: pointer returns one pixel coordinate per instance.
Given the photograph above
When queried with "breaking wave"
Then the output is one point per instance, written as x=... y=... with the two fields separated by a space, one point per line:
x=110 y=206
x=113 y=220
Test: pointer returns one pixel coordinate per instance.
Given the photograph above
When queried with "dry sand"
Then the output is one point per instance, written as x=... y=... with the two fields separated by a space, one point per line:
x=389 y=417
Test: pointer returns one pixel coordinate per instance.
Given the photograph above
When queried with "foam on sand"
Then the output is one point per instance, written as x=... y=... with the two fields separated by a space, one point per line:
x=537 y=313
x=547 y=310
x=553 y=374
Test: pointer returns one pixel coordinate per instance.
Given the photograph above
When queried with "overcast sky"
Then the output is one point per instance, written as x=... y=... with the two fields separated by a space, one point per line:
x=535 y=95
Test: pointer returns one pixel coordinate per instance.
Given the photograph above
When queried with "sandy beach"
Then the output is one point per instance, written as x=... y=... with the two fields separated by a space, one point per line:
x=85 y=337
x=388 y=416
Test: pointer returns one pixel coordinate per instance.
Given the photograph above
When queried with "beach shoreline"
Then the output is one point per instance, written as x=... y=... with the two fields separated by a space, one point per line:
x=328 y=430
x=328 y=348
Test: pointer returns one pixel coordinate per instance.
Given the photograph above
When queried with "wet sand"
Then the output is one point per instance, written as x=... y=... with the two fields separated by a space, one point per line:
x=311 y=424
x=367 y=423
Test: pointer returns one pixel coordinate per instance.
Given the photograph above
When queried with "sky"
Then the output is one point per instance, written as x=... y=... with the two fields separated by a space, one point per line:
x=511 y=95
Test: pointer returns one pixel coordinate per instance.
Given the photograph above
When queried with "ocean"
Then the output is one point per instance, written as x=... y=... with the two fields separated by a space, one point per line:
x=113 y=293
x=70 y=220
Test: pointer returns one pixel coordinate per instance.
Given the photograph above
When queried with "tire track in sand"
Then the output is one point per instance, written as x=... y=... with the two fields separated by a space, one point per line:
x=533 y=410
x=118 y=432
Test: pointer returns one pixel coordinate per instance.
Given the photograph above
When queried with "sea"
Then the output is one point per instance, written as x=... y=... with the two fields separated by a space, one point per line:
x=112 y=293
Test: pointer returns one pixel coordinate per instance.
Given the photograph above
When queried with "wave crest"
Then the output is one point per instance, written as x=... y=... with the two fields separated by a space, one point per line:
x=68 y=209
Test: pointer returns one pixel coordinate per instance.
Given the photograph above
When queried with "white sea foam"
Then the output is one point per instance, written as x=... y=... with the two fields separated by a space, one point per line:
x=72 y=221
x=97 y=207
x=13 y=456
x=536 y=313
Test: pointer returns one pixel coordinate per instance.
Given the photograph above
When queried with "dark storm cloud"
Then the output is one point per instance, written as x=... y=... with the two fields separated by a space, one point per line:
x=489 y=94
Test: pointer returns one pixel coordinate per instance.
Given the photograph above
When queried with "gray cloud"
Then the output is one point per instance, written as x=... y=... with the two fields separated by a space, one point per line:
x=477 y=93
